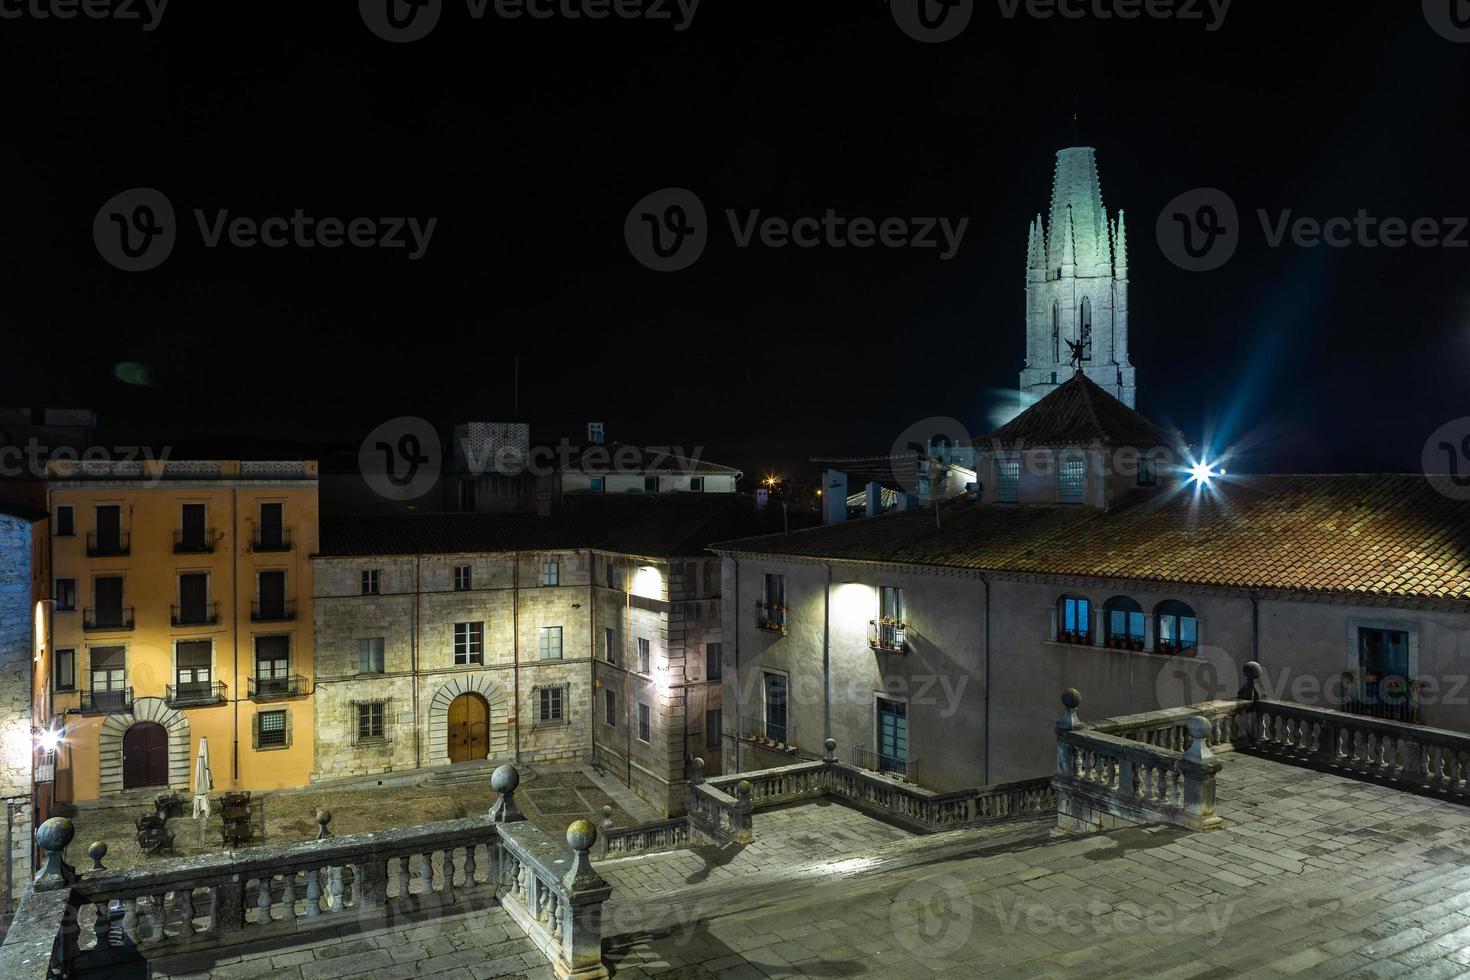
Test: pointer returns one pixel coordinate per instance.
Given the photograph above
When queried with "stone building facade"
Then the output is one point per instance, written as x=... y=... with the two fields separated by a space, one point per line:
x=592 y=635
x=934 y=650
x=24 y=579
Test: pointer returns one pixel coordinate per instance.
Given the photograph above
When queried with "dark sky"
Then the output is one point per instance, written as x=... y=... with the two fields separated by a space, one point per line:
x=531 y=140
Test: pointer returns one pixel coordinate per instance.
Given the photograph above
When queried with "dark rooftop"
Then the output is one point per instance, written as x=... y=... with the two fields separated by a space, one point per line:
x=1080 y=413
x=1382 y=535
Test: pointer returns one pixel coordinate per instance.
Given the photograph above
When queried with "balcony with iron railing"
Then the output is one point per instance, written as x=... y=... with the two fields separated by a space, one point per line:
x=271 y=541
x=107 y=618
x=109 y=545
x=888 y=764
x=195 y=614
x=195 y=694
x=194 y=542
x=278 y=688
x=770 y=616
x=107 y=701
x=1390 y=698
x=888 y=635
x=272 y=610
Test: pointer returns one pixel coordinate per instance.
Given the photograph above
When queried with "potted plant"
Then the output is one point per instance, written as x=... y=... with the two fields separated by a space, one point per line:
x=1138 y=646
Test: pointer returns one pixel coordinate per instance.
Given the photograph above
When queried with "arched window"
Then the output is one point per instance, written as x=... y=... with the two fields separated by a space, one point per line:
x=1085 y=331
x=1056 y=332
x=1177 y=631
x=1074 y=619
x=1123 y=622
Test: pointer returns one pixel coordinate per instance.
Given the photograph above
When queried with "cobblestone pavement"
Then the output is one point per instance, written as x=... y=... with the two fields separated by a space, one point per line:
x=1313 y=875
x=483 y=945
x=550 y=797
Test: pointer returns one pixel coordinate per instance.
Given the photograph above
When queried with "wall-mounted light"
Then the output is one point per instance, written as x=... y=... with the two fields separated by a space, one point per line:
x=48 y=739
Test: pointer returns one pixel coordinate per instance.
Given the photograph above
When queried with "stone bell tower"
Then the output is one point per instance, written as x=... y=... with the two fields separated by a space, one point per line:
x=1077 y=286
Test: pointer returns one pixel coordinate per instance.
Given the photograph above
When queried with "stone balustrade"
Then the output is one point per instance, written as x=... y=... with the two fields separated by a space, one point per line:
x=1168 y=729
x=1105 y=781
x=221 y=900
x=648 y=838
x=1412 y=757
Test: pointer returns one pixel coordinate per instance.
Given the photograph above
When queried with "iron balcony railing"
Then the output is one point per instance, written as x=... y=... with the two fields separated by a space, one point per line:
x=194 y=543
x=271 y=540
x=1388 y=698
x=107 y=701
x=107 y=618
x=770 y=616
x=272 y=688
x=893 y=765
x=195 y=614
x=272 y=610
x=888 y=634
x=195 y=694
x=108 y=546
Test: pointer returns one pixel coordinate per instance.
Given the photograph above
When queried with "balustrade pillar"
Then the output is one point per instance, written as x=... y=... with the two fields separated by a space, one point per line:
x=227 y=912
x=370 y=883
x=504 y=781
x=52 y=837
x=742 y=814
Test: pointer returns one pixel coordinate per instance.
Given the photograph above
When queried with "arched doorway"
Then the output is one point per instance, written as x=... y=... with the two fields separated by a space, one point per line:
x=469 y=728
x=145 y=755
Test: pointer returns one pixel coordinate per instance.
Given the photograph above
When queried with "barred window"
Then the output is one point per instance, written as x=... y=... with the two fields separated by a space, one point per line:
x=372 y=723
x=550 y=705
x=469 y=643
x=1071 y=480
x=1007 y=480
x=271 y=730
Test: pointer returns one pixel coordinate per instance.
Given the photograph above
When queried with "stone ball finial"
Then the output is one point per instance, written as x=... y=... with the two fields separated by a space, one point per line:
x=699 y=763
x=97 y=852
x=505 y=779
x=55 y=834
x=1198 y=728
x=1252 y=670
x=742 y=789
x=831 y=745
x=1071 y=699
x=581 y=835
x=324 y=817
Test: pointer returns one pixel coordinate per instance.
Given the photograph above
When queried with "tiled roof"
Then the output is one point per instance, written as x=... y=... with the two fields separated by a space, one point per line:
x=1378 y=535
x=666 y=525
x=1079 y=413
x=649 y=459
x=25 y=512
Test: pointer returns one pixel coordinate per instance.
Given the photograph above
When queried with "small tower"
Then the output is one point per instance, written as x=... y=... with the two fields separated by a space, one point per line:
x=1077 y=286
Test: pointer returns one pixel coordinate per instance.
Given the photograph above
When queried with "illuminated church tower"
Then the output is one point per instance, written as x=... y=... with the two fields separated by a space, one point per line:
x=1077 y=286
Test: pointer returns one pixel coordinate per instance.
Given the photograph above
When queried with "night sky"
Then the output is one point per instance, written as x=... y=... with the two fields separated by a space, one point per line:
x=529 y=141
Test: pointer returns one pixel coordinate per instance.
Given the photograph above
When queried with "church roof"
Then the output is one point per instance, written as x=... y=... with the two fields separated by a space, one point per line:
x=1384 y=535
x=1079 y=413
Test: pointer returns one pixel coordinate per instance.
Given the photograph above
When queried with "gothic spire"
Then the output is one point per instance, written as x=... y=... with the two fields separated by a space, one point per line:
x=1120 y=249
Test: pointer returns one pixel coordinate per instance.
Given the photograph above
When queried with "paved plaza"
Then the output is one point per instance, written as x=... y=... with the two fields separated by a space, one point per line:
x=1312 y=875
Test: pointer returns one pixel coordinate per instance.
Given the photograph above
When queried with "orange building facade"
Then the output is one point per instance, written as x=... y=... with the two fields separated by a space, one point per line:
x=183 y=612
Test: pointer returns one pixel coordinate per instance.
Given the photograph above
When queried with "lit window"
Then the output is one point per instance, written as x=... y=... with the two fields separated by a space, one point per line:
x=1124 y=622
x=1075 y=623
x=1071 y=480
x=270 y=730
x=370 y=655
x=1007 y=480
x=596 y=484
x=550 y=643
x=551 y=573
x=1178 y=630
x=469 y=643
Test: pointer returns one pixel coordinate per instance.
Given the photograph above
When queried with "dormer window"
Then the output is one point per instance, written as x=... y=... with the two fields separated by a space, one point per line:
x=1007 y=481
x=1071 y=480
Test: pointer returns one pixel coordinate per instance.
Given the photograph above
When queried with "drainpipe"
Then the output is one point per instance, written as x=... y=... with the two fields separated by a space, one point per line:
x=827 y=656
x=413 y=648
x=985 y=780
x=1255 y=627
x=515 y=645
x=235 y=629
x=735 y=740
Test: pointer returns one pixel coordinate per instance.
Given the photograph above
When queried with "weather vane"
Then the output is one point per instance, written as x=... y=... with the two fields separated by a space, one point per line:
x=1075 y=346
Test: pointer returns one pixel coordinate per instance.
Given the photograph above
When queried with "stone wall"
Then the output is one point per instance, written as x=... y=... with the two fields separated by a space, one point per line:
x=18 y=590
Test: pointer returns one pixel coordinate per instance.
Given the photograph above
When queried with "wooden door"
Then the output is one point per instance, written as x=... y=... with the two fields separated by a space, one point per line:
x=469 y=728
x=145 y=755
